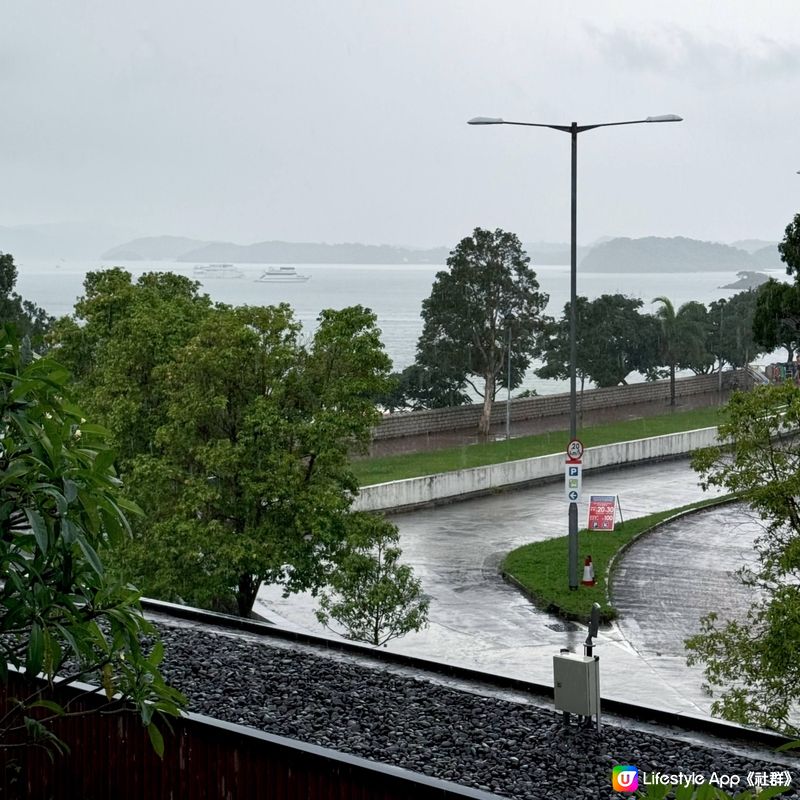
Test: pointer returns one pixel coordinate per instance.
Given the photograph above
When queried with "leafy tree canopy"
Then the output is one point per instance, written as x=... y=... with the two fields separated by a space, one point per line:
x=418 y=387
x=613 y=339
x=61 y=512
x=682 y=338
x=776 y=320
x=730 y=330
x=488 y=292
x=250 y=480
x=121 y=335
x=30 y=320
x=372 y=595
x=789 y=248
x=753 y=661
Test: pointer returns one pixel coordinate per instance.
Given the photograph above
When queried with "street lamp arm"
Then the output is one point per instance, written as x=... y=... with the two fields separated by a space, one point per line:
x=498 y=121
x=574 y=128
x=660 y=118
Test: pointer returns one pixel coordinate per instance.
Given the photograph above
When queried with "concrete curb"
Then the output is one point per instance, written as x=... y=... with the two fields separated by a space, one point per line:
x=449 y=487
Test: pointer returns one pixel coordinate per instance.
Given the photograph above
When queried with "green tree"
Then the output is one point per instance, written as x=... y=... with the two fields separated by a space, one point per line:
x=488 y=288
x=369 y=592
x=789 y=248
x=418 y=387
x=776 y=320
x=753 y=661
x=123 y=333
x=61 y=511
x=682 y=339
x=612 y=340
x=730 y=337
x=250 y=481
x=29 y=320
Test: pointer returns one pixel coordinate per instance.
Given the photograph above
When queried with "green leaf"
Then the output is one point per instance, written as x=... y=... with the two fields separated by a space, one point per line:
x=49 y=705
x=35 y=654
x=69 y=638
x=39 y=529
x=789 y=746
x=157 y=655
x=156 y=739
x=70 y=490
x=91 y=555
x=69 y=531
x=103 y=460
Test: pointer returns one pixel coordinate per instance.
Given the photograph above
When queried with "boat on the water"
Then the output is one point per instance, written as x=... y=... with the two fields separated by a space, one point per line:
x=282 y=275
x=204 y=271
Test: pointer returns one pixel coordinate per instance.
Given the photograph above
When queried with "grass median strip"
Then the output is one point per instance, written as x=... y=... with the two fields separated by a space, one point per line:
x=412 y=465
x=540 y=568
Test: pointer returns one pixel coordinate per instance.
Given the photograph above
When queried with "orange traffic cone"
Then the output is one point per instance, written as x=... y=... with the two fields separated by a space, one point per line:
x=588 y=572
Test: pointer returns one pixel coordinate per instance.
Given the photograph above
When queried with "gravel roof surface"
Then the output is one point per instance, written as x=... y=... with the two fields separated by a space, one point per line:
x=512 y=749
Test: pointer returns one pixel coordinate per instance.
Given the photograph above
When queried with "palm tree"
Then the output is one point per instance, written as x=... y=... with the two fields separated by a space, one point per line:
x=682 y=341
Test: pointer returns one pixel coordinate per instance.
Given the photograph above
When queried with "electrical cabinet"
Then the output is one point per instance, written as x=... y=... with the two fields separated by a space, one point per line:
x=576 y=682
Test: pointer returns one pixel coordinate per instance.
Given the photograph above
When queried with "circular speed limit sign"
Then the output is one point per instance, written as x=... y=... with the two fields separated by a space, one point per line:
x=575 y=450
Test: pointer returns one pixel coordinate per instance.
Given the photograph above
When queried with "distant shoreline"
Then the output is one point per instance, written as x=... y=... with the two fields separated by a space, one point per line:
x=650 y=254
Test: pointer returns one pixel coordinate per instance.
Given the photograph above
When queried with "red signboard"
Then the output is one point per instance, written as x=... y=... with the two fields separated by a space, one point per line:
x=602 y=512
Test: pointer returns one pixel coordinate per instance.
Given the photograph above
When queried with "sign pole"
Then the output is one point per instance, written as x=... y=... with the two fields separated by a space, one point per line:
x=573 y=493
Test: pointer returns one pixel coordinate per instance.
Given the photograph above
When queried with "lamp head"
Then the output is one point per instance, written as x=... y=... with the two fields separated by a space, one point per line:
x=485 y=121
x=665 y=118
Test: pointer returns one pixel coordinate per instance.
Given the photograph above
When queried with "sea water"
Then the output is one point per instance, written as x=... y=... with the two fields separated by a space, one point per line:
x=393 y=291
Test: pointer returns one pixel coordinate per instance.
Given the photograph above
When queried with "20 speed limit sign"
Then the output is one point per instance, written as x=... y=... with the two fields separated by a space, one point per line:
x=575 y=450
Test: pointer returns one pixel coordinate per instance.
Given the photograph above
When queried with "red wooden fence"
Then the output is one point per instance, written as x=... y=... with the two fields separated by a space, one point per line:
x=204 y=759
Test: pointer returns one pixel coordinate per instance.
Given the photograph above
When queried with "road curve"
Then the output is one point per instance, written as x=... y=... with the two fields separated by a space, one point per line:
x=479 y=621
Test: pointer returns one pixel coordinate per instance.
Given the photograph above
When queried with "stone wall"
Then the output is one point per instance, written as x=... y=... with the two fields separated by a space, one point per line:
x=414 y=423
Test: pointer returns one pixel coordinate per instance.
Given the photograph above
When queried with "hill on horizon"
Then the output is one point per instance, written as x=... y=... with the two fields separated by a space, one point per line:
x=184 y=249
x=675 y=254
x=620 y=254
x=158 y=248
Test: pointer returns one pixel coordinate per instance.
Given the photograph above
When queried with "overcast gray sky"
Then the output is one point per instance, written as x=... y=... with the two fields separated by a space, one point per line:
x=345 y=120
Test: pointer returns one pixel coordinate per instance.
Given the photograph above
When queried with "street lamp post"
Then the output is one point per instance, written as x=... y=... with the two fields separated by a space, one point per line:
x=574 y=129
x=508 y=384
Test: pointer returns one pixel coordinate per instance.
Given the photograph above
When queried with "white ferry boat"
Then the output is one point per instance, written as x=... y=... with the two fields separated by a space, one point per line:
x=282 y=275
x=205 y=271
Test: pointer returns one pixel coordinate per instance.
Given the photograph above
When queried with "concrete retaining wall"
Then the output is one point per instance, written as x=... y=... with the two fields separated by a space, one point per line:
x=451 y=486
x=414 y=423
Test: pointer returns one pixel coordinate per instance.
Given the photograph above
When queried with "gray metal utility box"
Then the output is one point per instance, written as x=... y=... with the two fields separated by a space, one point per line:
x=576 y=684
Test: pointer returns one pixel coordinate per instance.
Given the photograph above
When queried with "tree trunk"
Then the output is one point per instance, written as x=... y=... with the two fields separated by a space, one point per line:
x=485 y=422
x=672 y=384
x=246 y=594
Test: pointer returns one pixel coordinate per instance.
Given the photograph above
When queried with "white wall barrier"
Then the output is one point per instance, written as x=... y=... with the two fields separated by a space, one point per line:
x=449 y=486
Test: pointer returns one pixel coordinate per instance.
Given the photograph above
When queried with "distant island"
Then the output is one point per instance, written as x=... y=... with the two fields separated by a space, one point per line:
x=153 y=248
x=176 y=248
x=747 y=280
x=676 y=254
x=649 y=254
x=180 y=248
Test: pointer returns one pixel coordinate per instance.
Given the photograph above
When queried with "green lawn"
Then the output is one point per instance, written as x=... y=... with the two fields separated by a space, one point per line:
x=412 y=465
x=541 y=568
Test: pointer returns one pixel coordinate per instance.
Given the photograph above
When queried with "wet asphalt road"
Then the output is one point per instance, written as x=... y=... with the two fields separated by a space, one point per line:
x=479 y=621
